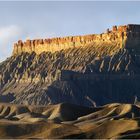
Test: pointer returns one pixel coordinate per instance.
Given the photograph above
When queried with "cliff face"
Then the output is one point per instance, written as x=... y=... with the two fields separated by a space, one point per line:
x=124 y=36
x=104 y=68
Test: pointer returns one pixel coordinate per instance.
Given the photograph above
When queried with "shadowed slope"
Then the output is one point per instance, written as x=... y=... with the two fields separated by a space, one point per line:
x=35 y=79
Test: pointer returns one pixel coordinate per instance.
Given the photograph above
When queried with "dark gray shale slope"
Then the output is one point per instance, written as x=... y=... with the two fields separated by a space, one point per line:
x=93 y=75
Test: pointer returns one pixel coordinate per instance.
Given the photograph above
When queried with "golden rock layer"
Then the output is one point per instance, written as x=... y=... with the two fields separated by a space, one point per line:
x=125 y=36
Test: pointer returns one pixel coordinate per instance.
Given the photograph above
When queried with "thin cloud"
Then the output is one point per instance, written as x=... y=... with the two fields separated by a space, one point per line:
x=12 y=33
x=8 y=35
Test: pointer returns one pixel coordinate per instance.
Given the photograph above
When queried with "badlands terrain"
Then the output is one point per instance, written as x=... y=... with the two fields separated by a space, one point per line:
x=73 y=87
x=69 y=121
x=83 y=70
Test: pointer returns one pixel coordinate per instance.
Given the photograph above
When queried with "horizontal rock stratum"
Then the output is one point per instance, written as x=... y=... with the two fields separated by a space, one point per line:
x=124 y=36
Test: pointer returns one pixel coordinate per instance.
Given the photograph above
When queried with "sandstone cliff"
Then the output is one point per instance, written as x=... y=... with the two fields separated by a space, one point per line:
x=104 y=68
x=124 y=36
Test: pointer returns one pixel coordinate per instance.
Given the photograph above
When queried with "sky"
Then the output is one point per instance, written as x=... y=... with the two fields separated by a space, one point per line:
x=32 y=20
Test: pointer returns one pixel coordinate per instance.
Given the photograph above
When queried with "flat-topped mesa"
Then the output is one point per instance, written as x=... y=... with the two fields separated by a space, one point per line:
x=125 y=36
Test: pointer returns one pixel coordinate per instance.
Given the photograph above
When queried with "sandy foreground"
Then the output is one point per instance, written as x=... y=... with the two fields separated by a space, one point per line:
x=69 y=121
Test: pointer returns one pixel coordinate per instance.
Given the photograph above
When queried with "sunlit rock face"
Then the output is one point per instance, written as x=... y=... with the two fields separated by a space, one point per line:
x=124 y=36
x=83 y=70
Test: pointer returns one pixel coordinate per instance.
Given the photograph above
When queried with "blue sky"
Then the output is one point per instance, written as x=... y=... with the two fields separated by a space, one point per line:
x=30 y=20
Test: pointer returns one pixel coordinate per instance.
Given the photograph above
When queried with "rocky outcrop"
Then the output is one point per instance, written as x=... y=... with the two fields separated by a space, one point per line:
x=124 y=36
x=49 y=78
x=105 y=69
